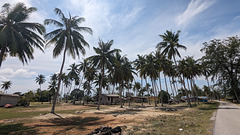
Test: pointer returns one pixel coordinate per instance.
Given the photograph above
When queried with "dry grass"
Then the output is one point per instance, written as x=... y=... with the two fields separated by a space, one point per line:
x=134 y=120
x=191 y=121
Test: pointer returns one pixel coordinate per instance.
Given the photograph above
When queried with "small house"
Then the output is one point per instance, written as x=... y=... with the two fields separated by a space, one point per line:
x=109 y=99
x=8 y=99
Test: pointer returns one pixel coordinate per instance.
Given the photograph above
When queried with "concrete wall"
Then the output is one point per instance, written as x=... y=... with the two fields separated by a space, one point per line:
x=109 y=100
x=7 y=99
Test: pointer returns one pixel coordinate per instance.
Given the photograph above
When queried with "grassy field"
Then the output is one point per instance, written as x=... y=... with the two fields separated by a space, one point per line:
x=195 y=120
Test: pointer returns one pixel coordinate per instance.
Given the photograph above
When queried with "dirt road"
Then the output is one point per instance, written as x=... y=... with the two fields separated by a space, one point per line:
x=227 y=119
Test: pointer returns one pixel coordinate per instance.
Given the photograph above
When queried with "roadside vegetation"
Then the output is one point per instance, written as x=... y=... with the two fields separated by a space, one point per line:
x=186 y=122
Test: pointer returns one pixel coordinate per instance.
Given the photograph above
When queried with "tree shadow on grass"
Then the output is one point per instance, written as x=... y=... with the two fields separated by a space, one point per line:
x=67 y=124
x=17 y=129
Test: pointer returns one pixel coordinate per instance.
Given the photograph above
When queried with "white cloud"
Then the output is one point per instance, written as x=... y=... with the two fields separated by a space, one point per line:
x=194 y=8
x=10 y=73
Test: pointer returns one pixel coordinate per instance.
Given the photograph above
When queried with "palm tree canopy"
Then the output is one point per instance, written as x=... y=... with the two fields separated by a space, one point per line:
x=182 y=68
x=170 y=44
x=90 y=73
x=192 y=67
x=54 y=77
x=6 y=85
x=137 y=86
x=67 y=37
x=151 y=67
x=138 y=63
x=18 y=37
x=73 y=72
x=87 y=87
x=105 y=56
x=98 y=79
x=83 y=65
x=52 y=87
x=40 y=79
x=66 y=80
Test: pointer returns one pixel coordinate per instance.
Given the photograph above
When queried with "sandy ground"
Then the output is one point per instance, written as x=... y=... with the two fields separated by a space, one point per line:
x=84 y=121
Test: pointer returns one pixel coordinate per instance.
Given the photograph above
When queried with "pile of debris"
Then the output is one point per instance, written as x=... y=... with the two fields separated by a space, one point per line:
x=107 y=131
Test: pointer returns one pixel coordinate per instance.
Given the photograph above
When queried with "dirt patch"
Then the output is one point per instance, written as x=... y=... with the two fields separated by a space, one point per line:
x=84 y=119
x=91 y=119
x=52 y=116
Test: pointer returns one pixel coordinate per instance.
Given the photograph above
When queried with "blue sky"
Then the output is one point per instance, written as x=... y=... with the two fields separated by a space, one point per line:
x=133 y=25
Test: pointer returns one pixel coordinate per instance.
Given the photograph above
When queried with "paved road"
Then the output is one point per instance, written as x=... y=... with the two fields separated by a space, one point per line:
x=227 y=119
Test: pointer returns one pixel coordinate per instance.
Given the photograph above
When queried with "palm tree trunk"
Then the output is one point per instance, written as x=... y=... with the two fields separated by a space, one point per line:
x=142 y=89
x=183 y=81
x=129 y=97
x=166 y=88
x=61 y=93
x=210 y=94
x=148 y=92
x=41 y=94
x=157 y=89
x=171 y=86
x=100 y=90
x=68 y=94
x=193 y=92
x=121 y=94
x=59 y=82
x=153 y=87
x=175 y=89
x=194 y=88
x=160 y=84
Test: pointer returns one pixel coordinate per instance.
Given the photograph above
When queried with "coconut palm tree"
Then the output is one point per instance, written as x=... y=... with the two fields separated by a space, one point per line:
x=18 y=37
x=67 y=39
x=87 y=87
x=136 y=87
x=52 y=88
x=206 y=71
x=150 y=68
x=161 y=61
x=167 y=72
x=66 y=83
x=138 y=63
x=127 y=71
x=73 y=73
x=170 y=45
x=123 y=73
x=89 y=74
x=6 y=85
x=83 y=65
x=103 y=60
x=182 y=73
x=40 y=79
x=54 y=77
x=193 y=70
